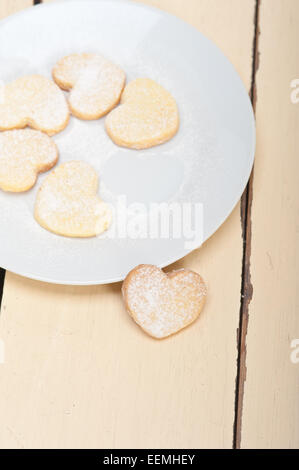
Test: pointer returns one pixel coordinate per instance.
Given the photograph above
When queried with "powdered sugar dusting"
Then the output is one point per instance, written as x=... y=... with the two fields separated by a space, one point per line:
x=163 y=304
x=36 y=101
x=23 y=154
x=148 y=116
x=95 y=83
x=67 y=203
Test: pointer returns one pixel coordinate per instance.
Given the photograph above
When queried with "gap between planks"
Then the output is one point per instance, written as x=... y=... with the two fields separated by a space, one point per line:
x=246 y=286
x=3 y=271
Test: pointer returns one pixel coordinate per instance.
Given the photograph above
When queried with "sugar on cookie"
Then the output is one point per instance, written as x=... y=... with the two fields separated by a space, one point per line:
x=67 y=202
x=147 y=116
x=23 y=154
x=95 y=84
x=33 y=101
x=163 y=304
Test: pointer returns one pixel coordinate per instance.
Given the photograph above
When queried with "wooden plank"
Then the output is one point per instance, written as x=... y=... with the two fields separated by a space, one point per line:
x=79 y=373
x=12 y=6
x=271 y=404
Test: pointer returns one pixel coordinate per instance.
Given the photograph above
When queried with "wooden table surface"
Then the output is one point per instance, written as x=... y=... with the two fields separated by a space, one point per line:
x=79 y=373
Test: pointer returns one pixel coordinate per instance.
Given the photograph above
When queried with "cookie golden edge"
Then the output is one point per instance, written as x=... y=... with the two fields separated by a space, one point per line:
x=95 y=116
x=46 y=167
x=28 y=122
x=67 y=86
x=87 y=234
x=124 y=290
x=32 y=125
x=142 y=145
x=61 y=233
x=49 y=131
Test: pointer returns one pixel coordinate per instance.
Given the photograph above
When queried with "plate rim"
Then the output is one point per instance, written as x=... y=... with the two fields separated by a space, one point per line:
x=184 y=252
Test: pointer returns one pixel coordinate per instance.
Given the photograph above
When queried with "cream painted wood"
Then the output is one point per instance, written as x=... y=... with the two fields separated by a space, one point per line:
x=78 y=371
x=271 y=399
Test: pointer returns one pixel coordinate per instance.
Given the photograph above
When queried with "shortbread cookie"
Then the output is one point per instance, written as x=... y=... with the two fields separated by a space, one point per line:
x=33 y=101
x=95 y=83
x=148 y=116
x=162 y=304
x=67 y=202
x=23 y=154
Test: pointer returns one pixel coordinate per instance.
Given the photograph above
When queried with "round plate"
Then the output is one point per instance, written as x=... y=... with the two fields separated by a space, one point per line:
x=203 y=169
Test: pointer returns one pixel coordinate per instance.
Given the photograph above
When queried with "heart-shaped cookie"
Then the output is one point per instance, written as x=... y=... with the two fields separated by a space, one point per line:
x=148 y=116
x=67 y=202
x=95 y=83
x=162 y=304
x=33 y=101
x=23 y=154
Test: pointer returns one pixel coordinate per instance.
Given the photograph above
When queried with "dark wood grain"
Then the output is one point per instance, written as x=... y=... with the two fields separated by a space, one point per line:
x=246 y=286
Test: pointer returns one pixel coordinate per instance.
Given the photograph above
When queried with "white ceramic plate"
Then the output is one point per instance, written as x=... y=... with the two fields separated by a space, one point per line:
x=208 y=162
